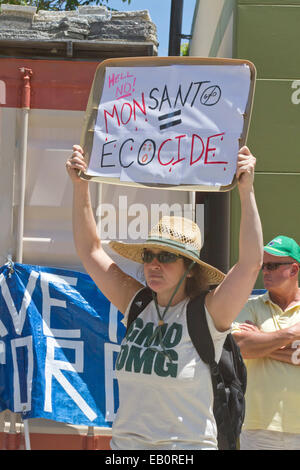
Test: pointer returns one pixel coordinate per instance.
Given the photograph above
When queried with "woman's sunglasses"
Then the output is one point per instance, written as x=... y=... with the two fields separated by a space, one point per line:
x=272 y=266
x=163 y=257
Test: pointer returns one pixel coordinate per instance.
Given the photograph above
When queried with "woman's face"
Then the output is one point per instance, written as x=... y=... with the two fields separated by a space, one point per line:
x=163 y=278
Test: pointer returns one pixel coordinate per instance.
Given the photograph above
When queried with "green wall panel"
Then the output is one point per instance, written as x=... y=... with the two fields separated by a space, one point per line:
x=274 y=134
x=269 y=36
x=278 y=204
x=267 y=32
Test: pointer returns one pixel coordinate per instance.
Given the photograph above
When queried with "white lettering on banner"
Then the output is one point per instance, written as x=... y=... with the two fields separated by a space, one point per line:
x=18 y=318
x=2 y=92
x=110 y=375
x=2 y=353
x=25 y=342
x=54 y=367
x=296 y=354
x=296 y=94
x=48 y=302
x=113 y=324
x=3 y=330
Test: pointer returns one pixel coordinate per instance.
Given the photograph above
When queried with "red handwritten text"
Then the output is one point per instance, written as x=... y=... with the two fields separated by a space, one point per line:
x=125 y=113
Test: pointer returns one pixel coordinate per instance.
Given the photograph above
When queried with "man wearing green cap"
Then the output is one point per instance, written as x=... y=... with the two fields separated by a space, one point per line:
x=268 y=333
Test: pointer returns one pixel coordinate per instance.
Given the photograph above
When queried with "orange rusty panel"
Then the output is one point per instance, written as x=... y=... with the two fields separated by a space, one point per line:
x=55 y=84
x=41 y=441
x=12 y=441
x=68 y=442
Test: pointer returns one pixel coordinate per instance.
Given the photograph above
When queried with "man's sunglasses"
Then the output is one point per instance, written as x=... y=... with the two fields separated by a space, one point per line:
x=162 y=257
x=272 y=266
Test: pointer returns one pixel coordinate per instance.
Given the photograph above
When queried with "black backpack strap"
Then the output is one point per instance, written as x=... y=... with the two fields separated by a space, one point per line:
x=201 y=338
x=198 y=329
x=138 y=304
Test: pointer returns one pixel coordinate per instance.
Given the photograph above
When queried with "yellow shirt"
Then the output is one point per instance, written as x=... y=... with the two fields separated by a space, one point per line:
x=273 y=387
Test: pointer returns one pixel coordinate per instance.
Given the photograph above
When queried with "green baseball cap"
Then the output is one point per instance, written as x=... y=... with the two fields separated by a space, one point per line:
x=283 y=246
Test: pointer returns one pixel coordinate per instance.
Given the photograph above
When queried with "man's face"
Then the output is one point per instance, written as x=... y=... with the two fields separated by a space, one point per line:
x=279 y=277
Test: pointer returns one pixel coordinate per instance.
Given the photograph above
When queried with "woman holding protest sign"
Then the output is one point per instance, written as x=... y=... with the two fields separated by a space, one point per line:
x=165 y=389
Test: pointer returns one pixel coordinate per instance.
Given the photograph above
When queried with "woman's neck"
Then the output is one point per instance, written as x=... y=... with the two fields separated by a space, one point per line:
x=163 y=298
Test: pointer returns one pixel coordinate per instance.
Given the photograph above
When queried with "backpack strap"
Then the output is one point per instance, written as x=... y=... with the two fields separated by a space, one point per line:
x=138 y=304
x=198 y=329
x=201 y=338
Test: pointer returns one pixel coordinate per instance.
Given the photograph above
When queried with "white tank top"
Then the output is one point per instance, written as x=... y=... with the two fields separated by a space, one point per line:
x=163 y=404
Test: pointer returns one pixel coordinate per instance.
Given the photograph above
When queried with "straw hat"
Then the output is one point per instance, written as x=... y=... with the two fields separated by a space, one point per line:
x=177 y=235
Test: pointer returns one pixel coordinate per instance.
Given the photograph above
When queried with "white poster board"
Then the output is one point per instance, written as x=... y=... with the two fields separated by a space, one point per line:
x=174 y=125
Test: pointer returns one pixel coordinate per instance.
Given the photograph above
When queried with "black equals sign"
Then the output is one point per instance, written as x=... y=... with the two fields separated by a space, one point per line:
x=168 y=116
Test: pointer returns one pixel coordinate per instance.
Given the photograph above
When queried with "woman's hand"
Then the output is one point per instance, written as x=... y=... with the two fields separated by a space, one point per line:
x=245 y=168
x=76 y=163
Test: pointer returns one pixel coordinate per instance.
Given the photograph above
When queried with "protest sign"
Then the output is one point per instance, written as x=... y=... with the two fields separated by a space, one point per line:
x=59 y=339
x=174 y=123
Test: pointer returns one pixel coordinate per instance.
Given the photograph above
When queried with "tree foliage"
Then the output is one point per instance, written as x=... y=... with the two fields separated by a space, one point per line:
x=59 y=4
x=184 y=49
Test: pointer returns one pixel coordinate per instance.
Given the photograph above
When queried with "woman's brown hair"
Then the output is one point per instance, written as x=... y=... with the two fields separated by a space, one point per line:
x=196 y=282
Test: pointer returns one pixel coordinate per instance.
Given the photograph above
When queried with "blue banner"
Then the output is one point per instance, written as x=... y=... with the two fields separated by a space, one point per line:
x=59 y=339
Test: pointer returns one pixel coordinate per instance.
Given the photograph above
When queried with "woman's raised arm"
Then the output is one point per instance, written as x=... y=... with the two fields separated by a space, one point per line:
x=227 y=300
x=116 y=285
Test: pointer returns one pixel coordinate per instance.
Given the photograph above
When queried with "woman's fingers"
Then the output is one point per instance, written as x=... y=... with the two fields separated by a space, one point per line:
x=76 y=163
x=245 y=166
x=78 y=149
x=244 y=151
